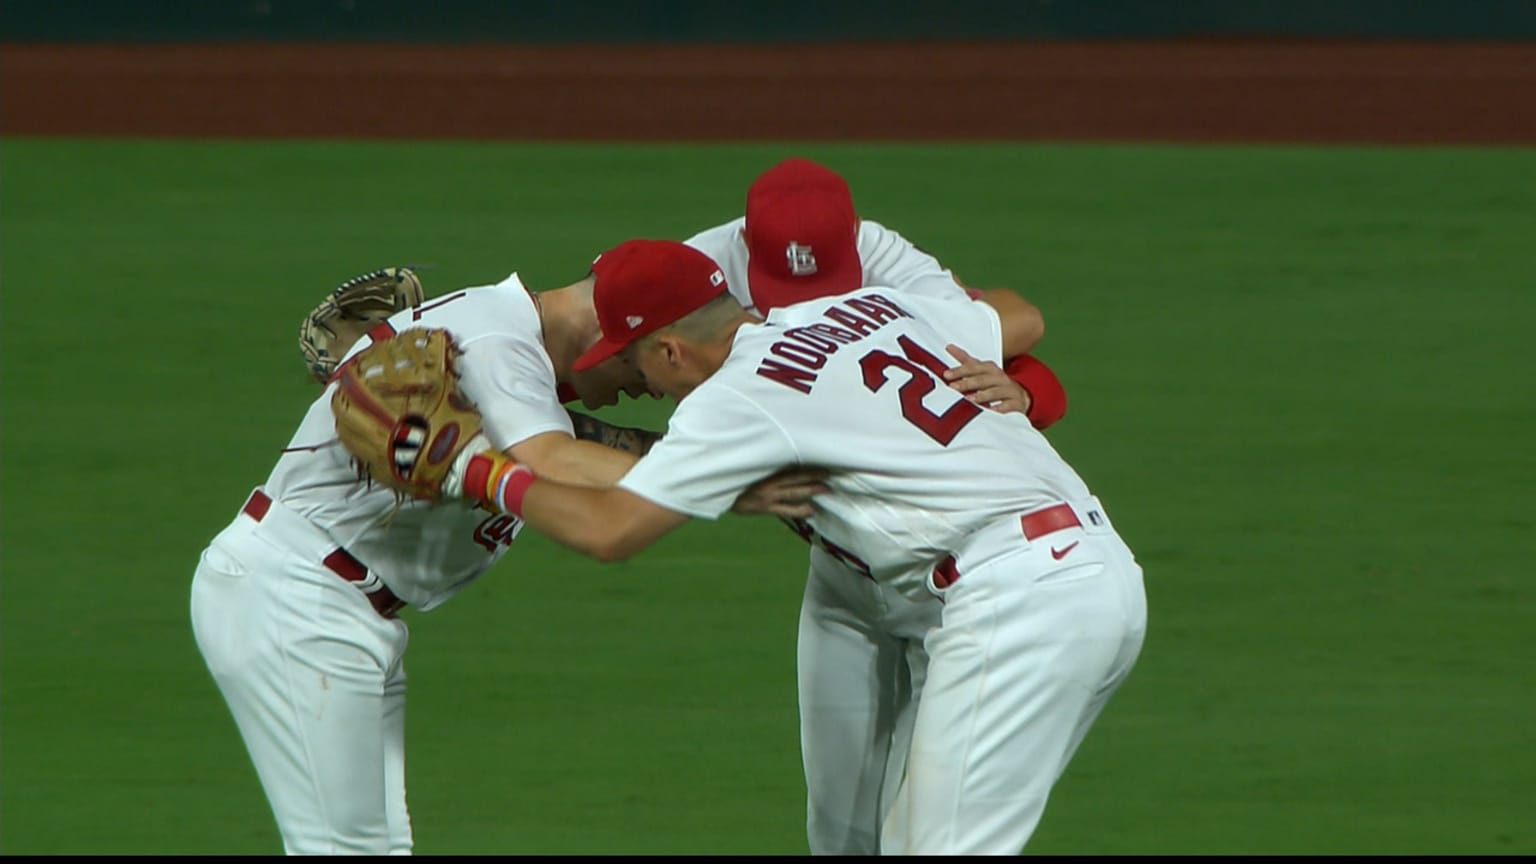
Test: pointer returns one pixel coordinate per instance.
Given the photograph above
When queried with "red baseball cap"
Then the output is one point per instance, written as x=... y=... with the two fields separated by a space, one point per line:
x=644 y=285
x=802 y=235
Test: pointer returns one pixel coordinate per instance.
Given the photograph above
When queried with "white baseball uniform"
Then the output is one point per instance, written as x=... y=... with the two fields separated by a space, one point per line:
x=860 y=647
x=1042 y=606
x=294 y=603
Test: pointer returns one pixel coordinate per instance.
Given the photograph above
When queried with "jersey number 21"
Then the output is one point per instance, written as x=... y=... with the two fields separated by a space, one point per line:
x=923 y=367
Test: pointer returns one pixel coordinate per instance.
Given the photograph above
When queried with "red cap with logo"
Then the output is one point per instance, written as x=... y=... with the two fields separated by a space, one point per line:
x=802 y=235
x=644 y=285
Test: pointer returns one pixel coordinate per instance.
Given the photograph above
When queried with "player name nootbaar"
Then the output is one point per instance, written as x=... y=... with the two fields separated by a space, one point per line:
x=803 y=350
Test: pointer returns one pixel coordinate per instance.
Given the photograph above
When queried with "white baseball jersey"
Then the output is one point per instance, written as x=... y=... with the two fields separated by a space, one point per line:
x=426 y=553
x=852 y=383
x=849 y=625
x=888 y=259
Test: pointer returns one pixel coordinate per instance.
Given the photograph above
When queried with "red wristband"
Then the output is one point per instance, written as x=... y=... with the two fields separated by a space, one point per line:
x=477 y=476
x=1047 y=398
x=511 y=485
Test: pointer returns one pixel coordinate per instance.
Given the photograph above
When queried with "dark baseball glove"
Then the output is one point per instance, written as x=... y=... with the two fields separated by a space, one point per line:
x=400 y=414
x=351 y=310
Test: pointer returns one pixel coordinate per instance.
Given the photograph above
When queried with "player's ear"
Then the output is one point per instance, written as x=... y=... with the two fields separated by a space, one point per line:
x=672 y=349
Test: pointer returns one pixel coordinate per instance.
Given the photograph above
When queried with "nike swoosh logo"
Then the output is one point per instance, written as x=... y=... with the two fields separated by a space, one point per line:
x=1061 y=553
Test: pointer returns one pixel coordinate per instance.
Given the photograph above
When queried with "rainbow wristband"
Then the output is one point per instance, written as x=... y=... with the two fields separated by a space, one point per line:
x=497 y=482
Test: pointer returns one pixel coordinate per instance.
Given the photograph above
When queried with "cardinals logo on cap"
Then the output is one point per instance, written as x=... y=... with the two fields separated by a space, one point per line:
x=802 y=261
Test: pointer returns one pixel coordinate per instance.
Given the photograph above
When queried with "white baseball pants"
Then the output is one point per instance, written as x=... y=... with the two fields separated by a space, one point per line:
x=315 y=679
x=861 y=665
x=1035 y=638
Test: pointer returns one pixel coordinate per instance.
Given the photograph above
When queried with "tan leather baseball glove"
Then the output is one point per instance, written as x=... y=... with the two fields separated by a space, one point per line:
x=351 y=310
x=400 y=414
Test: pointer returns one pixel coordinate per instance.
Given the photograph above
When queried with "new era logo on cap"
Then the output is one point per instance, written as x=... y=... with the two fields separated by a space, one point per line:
x=634 y=320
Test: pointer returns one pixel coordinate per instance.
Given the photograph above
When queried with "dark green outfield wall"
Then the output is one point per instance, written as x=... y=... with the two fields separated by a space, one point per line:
x=753 y=21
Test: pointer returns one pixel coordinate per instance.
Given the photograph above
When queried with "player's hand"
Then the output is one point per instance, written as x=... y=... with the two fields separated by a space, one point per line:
x=985 y=383
x=786 y=494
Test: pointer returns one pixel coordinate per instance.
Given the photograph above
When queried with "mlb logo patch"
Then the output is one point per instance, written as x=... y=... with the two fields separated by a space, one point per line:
x=1095 y=517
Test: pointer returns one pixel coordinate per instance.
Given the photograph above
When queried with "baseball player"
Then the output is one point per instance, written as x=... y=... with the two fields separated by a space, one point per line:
x=860 y=647
x=860 y=652
x=1042 y=609
x=295 y=604
x=801 y=238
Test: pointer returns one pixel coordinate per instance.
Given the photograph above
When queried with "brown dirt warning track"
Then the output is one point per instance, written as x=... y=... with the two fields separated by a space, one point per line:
x=1390 y=93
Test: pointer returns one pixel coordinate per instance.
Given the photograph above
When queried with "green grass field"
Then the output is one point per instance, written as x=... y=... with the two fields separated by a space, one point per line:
x=1300 y=380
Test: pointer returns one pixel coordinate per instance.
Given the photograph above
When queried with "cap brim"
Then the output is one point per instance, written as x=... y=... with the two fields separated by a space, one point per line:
x=770 y=290
x=597 y=354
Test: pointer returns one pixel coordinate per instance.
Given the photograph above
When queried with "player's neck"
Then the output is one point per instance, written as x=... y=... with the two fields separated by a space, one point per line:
x=569 y=325
x=718 y=349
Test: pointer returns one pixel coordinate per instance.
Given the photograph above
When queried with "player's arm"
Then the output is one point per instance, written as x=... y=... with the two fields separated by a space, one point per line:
x=610 y=524
x=409 y=391
x=506 y=377
x=890 y=259
x=604 y=524
x=614 y=524
x=1023 y=325
x=785 y=494
x=598 y=454
x=1022 y=380
x=626 y=438
x=719 y=447
x=1022 y=383
x=986 y=383
x=565 y=459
